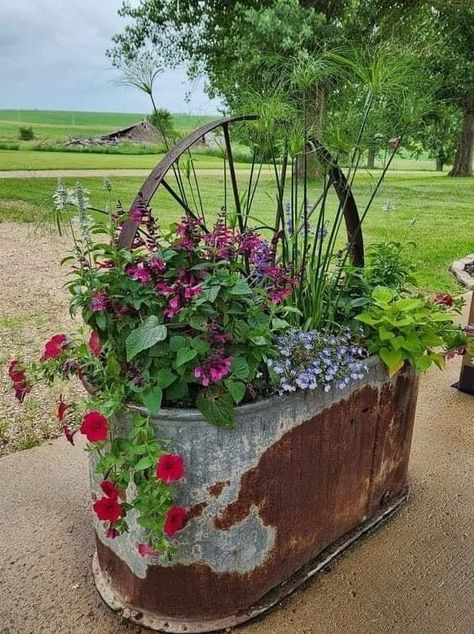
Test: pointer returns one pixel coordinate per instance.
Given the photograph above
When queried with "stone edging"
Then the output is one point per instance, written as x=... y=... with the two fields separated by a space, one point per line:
x=458 y=269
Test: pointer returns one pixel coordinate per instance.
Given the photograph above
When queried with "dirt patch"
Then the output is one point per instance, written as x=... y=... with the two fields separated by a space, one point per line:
x=33 y=306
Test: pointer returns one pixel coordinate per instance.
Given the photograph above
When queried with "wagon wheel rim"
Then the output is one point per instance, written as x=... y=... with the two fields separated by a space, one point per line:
x=157 y=179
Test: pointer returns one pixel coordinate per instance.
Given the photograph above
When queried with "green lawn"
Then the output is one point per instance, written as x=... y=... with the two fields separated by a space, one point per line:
x=34 y=160
x=57 y=125
x=431 y=210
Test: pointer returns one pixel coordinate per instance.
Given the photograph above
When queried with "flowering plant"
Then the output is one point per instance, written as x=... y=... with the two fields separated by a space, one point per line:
x=187 y=317
x=317 y=359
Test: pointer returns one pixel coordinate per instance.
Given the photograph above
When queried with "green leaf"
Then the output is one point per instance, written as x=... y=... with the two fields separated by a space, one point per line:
x=397 y=342
x=237 y=390
x=383 y=295
x=240 y=368
x=292 y=309
x=211 y=293
x=177 y=342
x=198 y=322
x=201 y=346
x=408 y=304
x=441 y=317
x=279 y=324
x=393 y=359
x=366 y=318
x=422 y=363
x=101 y=321
x=113 y=366
x=217 y=408
x=412 y=343
x=184 y=355
x=430 y=339
x=152 y=398
x=145 y=336
x=385 y=334
x=144 y=463
x=177 y=391
x=259 y=340
x=240 y=287
x=165 y=377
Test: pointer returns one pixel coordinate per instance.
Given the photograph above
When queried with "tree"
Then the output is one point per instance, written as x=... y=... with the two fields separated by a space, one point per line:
x=229 y=42
x=244 y=47
x=454 y=60
x=445 y=36
x=438 y=134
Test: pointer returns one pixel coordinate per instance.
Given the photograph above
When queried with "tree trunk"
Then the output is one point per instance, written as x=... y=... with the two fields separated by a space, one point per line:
x=371 y=159
x=463 y=160
x=439 y=164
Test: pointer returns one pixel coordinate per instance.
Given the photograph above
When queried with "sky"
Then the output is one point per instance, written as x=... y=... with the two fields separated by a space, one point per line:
x=52 y=57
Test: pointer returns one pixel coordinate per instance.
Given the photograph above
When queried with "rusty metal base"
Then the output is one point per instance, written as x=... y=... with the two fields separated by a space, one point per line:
x=163 y=624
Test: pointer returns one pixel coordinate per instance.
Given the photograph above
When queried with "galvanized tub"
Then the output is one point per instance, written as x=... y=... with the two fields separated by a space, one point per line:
x=270 y=502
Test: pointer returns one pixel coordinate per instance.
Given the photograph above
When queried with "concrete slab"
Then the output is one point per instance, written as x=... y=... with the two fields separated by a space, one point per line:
x=413 y=576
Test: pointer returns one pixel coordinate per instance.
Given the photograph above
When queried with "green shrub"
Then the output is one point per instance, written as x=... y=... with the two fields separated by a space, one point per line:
x=9 y=146
x=26 y=134
x=162 y=119
x=409 y=329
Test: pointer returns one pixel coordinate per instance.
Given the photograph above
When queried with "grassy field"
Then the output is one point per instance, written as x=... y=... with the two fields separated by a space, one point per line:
x=433 y=211
x=57 y=125
x=34 y=160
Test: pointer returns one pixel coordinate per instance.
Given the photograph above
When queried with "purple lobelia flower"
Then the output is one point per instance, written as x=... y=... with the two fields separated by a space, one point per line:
x=308 y=360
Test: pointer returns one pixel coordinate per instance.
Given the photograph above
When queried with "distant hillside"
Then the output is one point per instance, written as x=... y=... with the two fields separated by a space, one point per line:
x=56 y=125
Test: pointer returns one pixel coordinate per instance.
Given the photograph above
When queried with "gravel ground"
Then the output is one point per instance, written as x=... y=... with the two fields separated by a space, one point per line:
x=33 y=306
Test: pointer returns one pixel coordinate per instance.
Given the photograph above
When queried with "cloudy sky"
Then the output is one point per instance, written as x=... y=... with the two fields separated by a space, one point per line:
x=52 y=56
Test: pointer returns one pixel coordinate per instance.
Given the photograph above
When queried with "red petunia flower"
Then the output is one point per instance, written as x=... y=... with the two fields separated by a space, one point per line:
x=54 y=347
x=18 y=378
x=443 y=299
x=94 y=344
x=107 y=509
x=95 y=426
x=175 y=520
x=170 y=468
x=109 y=489
x=146 y=549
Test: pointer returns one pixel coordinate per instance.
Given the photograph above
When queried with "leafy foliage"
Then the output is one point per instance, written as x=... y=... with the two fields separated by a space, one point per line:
x=408 y=329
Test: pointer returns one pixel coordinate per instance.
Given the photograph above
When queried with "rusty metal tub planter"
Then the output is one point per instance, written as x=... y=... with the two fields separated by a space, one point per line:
x=271 y=501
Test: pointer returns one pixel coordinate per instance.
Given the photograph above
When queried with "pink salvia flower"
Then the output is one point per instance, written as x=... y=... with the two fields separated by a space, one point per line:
x=156 y=265
x=99 y=302
x=136 y=215
x=165 y=288
x=174 y=306
x=220 y=241
x=139 y=273
x=192 y=291
x=213 y=370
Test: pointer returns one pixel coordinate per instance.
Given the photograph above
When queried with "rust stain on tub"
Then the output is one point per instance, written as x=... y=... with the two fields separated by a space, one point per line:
x=315 y=484
x=196 y=510
x=216 y=489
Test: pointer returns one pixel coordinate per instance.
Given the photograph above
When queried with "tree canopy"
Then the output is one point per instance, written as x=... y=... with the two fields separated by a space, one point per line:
x=241 y=45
